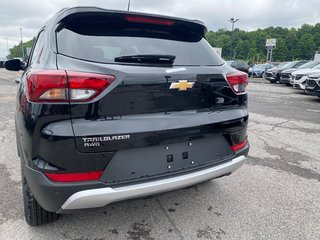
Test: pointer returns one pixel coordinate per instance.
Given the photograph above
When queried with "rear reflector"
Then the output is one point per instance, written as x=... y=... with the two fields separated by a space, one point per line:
x=239 y=146
x=64 y=86
x=73 y=177
x=149 y=20
x=238 y=81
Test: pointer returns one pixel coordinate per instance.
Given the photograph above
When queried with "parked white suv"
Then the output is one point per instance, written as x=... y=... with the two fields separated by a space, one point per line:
x=299 y=77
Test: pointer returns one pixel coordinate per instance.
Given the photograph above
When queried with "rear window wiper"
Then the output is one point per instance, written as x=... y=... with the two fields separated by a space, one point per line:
x=156 y=59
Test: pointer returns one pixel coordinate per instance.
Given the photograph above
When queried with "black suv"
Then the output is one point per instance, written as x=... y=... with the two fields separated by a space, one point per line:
x=239 y=65
x=116 y=105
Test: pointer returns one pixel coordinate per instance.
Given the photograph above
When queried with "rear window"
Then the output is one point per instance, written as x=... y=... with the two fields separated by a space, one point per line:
x=100 y=42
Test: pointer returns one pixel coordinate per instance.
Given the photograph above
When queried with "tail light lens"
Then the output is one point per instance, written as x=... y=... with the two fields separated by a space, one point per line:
x=240 y=145
x=74 y=177
x=86 y=86
x=47 y=85
x=64 y=86
x=238 y=81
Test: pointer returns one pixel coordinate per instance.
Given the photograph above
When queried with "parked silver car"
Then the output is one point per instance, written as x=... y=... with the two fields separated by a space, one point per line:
x=285 y=76
x=259 y=70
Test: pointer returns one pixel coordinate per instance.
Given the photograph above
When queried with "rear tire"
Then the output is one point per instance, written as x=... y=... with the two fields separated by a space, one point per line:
x=273 y=81
x=35 y=215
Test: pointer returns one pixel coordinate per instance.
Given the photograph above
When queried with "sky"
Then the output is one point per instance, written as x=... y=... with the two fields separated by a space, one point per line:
x=253 y=14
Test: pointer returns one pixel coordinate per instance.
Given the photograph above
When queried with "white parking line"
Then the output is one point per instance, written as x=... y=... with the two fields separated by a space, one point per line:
x=313 y=110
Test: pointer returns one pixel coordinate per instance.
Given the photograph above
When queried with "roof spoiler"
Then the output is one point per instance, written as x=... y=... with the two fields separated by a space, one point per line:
x=75 y=14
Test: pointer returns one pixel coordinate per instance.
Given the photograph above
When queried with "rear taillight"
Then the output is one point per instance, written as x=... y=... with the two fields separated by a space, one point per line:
x=74 y=177
x=86 y=86
x=149 y=20
x=240 y=145
x=238 y=81
x=64 y=86
x=47 y=85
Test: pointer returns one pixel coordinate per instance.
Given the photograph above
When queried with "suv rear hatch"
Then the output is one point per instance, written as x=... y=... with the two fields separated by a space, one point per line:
x=169 y=107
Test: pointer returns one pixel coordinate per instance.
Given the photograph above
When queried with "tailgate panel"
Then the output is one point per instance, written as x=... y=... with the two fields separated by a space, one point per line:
x=155 y=129
x=145 y=94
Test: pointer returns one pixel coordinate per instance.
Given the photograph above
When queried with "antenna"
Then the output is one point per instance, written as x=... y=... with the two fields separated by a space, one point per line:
x=129 y=5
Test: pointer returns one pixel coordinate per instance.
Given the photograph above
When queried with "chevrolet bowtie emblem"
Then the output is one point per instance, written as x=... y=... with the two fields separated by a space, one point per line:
x=182 y=85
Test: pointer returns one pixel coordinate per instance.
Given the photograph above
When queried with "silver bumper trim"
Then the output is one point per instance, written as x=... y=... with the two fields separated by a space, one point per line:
x=103 y=196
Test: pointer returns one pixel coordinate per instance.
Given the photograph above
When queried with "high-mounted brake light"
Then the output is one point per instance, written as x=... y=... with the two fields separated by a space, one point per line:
x=238 y=81
x=240 y=145
x=64 y=86
x=74 y=177
x=149 y=20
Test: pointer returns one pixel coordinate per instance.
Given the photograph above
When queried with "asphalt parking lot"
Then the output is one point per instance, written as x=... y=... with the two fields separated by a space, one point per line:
x=276 y=195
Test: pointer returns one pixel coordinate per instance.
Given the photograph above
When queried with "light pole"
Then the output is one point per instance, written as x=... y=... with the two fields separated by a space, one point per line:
x=233 y=21
x=21 y=44
x=129 y=5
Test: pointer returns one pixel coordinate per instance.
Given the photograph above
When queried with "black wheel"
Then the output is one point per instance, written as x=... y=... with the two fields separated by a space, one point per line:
x=288 y=84
x=35 y=215
x=273 y=81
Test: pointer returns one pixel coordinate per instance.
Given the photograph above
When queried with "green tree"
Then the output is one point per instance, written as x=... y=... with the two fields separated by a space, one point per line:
x=307 y=46
x=281 y=51
x=292 y=43
x=16 y=51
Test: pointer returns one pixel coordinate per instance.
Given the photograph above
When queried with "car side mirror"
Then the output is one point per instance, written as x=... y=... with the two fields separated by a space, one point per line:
x=14 y=65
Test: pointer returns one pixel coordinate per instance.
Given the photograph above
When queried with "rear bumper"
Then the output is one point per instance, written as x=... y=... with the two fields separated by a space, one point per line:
x=69 y=197
x=103 y=196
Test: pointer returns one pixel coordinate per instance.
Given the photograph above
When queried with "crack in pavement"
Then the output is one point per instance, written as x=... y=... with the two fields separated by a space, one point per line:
x=10 y=206
x=282 y=125
x=279 y=133
x=267 y=144
x=284 y=165
x=170 y=220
